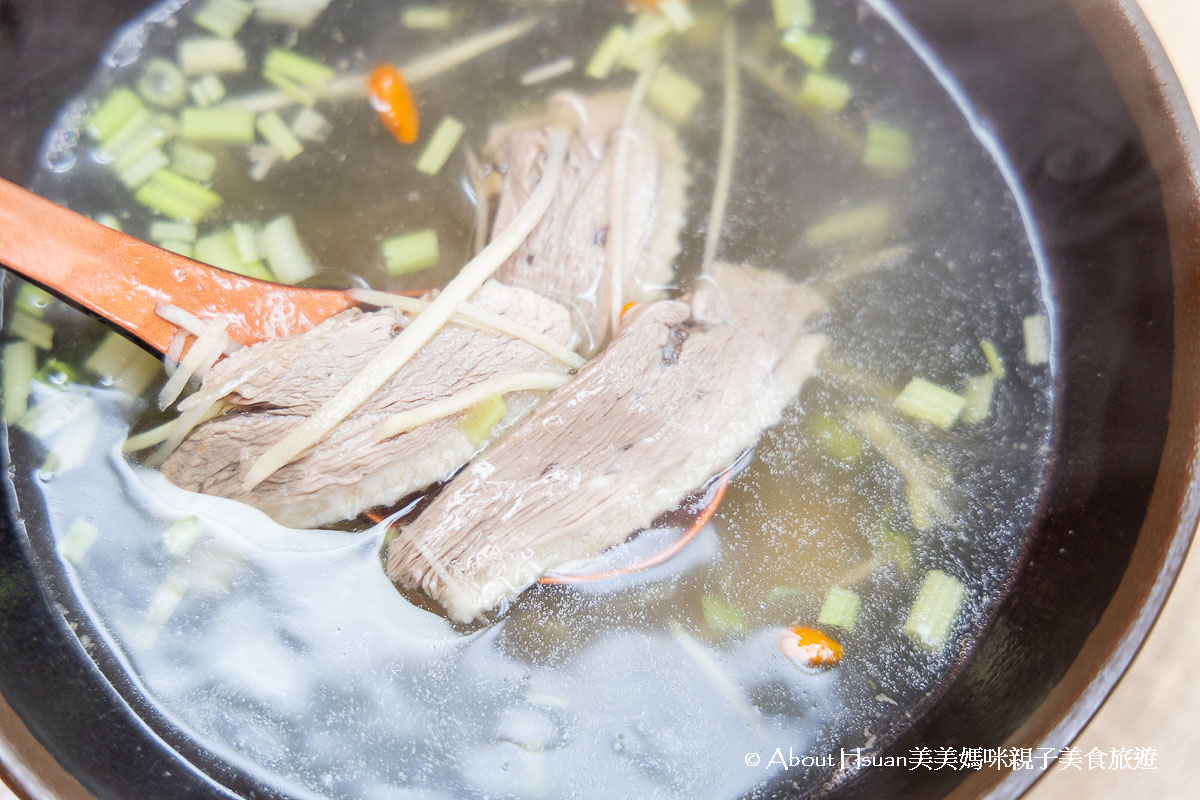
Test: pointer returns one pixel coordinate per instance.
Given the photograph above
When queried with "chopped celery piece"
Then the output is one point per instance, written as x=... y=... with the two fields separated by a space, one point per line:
x=837 y=439
x=245 y=236
x=207 y=90
x=894 y=548
x=148 y=438
x=192 y=162
x=889 y=149
x=824 y=91
x=33 y=299
x=978 y=391
x=217 y=125
x=20 y=365
x=279 y=135
x=311 y=126
x=674 y=94
x=113 y=112
x=223 y=17
x=150 y=137
x=163 y=84
x=792 y=13
x=646 y=38
x=855 y=223
x=32 y=329
x=787 y=594
x=1037 y=340
x=179 y=537
x=840 y=608
x=78 y=541
x=811 y=48
x=426 y=18
x=202 y=54
x=928 y=402
x=164 y=602
x=303 y=70
x=179 y=247
x=220 y=250
x=445 y=138
x=995 y=363
x=284 y=251
x=479 y=422
x=292 y=88
x=293 y=13
x=161 y=230
x=113 y=355
x=142 y=370
x=146 y=167
x=920 y=507
x=722 y=616
x=177 y=197
x=109 y=221
x=608 y=53
x=678 y=13
x=411 y=252
x=934 y=612
x=117 y=139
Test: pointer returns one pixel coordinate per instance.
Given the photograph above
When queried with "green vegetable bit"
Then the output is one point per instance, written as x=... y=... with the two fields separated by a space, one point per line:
x=479 y=422
x=995 y=363
x=441 y=145
x=722 y=616
x=978 y=391
x=20 y=365
x=674 y=94
x=928 y=402
x=935 y=610
x=840 y=608
x=889 y=149
x=837 y=439
x=824 y=91
x=31 y=329
x=113 y=112
x=608 y=53
x=411 y=252
x=792 y=13
x=812 y=49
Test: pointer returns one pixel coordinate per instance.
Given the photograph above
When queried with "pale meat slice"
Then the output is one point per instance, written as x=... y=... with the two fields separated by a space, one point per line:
x=274 y=386
x=566 y=257
x=680 y=392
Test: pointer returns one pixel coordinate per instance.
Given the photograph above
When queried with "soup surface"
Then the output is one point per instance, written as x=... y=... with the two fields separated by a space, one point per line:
x=288 y=657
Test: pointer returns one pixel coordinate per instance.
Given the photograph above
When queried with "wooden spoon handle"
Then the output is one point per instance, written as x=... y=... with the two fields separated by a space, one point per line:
x=124 y=279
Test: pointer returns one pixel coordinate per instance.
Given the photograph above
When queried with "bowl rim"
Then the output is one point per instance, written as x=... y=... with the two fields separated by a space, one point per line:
x=1147 y=82
x=1151 y=89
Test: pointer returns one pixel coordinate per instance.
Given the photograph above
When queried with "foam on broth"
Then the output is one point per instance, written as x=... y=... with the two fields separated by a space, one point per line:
x=291 y=657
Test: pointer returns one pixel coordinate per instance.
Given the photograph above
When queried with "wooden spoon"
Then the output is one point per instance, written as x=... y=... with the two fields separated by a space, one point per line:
x=124 y=279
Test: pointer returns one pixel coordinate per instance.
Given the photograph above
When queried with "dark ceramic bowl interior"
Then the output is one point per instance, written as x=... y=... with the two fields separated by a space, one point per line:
x=1080 y=98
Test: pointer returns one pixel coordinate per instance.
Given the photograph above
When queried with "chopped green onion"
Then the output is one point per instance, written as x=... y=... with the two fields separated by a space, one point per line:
x=889 y=149
x=792 y=13
x=284 y=251
x=220 y=250
x=113 y=112
x=838 y=440
x=202 y=54
x=179 y=537
x=78 y=541
x=33 y=299
x=292 y=13
x=934 y=612
x=823 y=91
x=179 y=247
x=177 y=197
x=160 y=231
x=678 y=13
x=426 y=18
x=411 y=252
x=840 y=608
x=217 y=125
x=445 y=138
x=303 y=70
x=608 y=53
x=855 y=223
x=722 y=616
x=811 y=48
x=162 y=84
x=20 y=365
x=279 y=135
x=32 y=329
x=674 y=94
x=482 y=419
x=995 y=363
x=978 y=391
x=1037 y=340
x=207 y=90
x=193 y=162
x=894 y=548
x=928 y=402
x=311 y=126
x=223 y=17
x=134 y=150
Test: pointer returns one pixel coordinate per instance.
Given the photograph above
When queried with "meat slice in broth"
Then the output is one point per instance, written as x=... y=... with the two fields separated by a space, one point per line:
x=277 y=384
x=682 y=390
x=567 y=256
